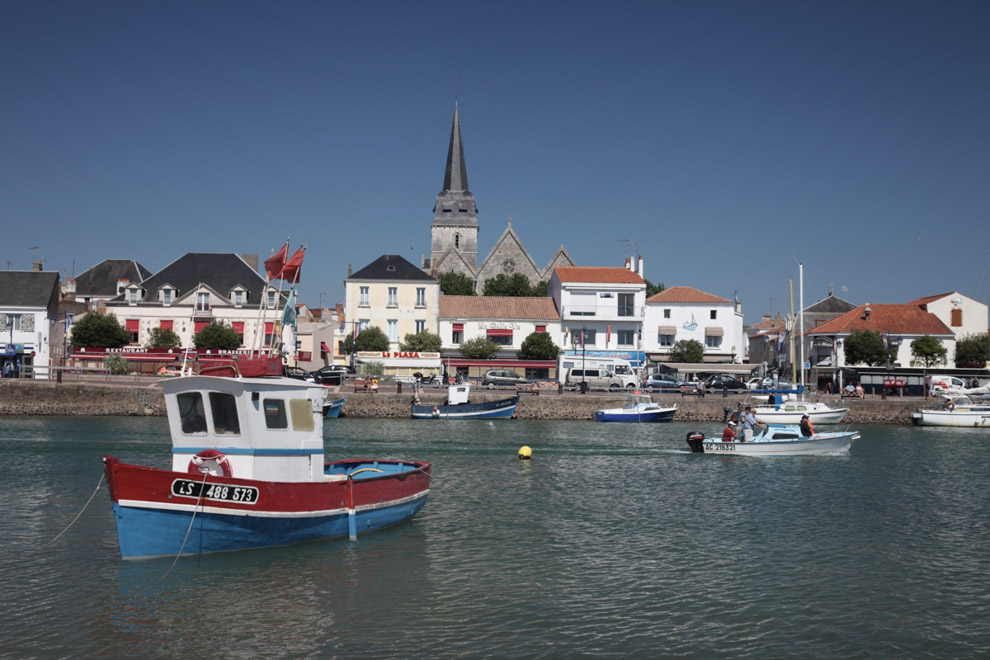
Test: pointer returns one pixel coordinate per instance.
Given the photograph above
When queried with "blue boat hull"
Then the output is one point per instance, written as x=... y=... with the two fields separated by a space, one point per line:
x=156 y=533
x=622 y=416
x=501 y=409
x=333 y=408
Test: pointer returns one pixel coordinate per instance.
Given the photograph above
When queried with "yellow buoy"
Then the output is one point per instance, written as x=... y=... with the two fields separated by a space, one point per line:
x=525 y=453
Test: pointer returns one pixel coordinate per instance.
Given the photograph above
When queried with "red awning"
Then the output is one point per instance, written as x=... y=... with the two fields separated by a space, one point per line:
x=200 y=325
x=541 y=328
x=500 y=333
x=132 y=325
x=269 y=326
x=166 y=325
x=238 y=327
x=458 y=327
x=324 y=348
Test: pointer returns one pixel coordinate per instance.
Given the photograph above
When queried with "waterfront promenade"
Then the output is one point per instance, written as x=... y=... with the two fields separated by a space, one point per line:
x=130 y=398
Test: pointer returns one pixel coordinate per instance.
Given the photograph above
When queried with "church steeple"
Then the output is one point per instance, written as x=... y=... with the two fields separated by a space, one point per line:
x=455 y=216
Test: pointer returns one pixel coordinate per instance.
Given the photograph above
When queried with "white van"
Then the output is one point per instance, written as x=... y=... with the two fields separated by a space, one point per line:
x=600 y=379
x=618 y=366
x=940 y=383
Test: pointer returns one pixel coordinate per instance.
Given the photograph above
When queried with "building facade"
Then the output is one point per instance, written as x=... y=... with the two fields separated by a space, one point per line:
x=684 y=313
x=31 y=331
x=503 y=320
x=392 y=294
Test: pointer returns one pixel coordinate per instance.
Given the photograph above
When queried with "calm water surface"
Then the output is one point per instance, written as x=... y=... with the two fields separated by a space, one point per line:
x=611 y=541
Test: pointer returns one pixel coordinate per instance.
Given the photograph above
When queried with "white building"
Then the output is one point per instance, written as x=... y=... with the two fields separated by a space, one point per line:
x=681 y=313
x=601 y=309
x=964 y=316
x=31 y=333
x=507 y=321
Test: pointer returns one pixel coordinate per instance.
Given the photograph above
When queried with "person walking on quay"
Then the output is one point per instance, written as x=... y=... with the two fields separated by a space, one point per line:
x=749 y=422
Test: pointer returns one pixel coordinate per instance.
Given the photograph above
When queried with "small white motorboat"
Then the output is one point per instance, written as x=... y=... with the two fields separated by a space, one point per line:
x=790 y=412
x=955 y=411
x=777 y=440
x=638 y=408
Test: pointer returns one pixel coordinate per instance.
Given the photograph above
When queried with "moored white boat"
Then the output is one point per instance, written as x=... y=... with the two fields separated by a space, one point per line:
x=248 y=472
x=638 y=408
x=790 y=412
x=777 y=440
x=459 y=406
x=959 y=411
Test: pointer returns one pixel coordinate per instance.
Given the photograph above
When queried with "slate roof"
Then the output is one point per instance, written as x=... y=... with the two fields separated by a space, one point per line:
x=598 y=275
x=830 y=305
x=27 y=288
x=219 y=271
x=685 y=294
x=498 y=307
x=391 y=267
x=908 y=319
x=101 y=279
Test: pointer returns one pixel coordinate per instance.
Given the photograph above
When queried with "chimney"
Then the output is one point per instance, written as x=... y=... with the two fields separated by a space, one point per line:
x=69 y=289
x=122 y=284
x=641 y=266
x=38 y=266
x=350 y=270
x=251 y=260
x=339 y=309
x=766 y=316
x=867 y=311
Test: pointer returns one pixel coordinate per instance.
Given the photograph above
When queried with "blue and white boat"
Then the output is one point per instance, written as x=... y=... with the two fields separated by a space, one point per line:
x=776 y=440
x=638 y=408
x=333 y=408
x=459 y=406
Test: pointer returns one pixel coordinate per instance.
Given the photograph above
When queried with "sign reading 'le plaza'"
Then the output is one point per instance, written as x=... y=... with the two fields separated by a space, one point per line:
x=413 y=355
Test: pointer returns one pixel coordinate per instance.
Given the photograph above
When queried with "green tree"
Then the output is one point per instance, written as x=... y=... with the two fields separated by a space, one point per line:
x=479 y=348
x=926 y=351
x=422 y=342
x=653 y=289
x=973 y=351
x=373 y=368
x=865 y=347
x=538 y=346
x=456 y=284
x=97 y=330
x=371 y=338
x=687 y=350
x=217 y=336
x=163 y=338
x=515 y=285
x=116 y=364
x=540 y=290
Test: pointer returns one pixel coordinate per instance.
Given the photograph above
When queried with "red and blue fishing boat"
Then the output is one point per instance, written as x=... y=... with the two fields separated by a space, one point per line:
x=248 y=471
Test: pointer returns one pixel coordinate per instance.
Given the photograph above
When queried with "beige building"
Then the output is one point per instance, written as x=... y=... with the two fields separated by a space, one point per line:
x=394 y=295
x=505 y=321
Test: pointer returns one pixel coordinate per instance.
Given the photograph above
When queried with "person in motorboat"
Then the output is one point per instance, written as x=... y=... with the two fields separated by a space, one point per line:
x=749 y=421
x=729 y=433
x=807 y=428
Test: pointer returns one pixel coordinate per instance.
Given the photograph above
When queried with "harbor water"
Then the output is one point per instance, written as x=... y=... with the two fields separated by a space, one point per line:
x=612 y=541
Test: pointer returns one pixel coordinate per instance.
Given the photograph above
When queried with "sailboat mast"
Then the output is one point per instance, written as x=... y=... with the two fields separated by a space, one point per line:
x=801 y=317
x=790 y=330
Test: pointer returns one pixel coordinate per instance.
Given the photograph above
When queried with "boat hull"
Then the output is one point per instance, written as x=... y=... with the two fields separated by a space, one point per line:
x=155 y=518
x=333 y=408
x=820 y=443
x=626 y=415
x=501 y=409
x=772 y=416
x=957 y=418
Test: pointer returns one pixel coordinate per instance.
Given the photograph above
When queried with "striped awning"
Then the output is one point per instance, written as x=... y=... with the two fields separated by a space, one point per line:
x=667 y=330
x=499 y=333
x=713 y=331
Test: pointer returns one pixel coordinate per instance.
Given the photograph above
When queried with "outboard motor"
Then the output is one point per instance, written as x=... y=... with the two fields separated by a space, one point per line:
x=694 y=440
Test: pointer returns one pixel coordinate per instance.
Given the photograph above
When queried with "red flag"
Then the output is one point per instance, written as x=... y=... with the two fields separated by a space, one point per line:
x=273 y=264
x=290 y=272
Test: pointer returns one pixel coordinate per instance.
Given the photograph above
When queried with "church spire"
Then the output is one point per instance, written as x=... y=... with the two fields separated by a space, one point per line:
x=455 y=177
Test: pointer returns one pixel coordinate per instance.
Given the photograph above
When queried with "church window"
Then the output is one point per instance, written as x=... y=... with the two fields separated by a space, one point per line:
x=457 y=240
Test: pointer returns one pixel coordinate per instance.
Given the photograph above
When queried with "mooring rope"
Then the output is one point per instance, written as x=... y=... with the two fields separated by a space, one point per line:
x=96 y=490
x=202 y=491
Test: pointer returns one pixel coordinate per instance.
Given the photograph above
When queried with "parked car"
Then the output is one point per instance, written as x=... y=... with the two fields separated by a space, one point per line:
x=298 y=373
x=496 y=377
x=661 y=382
x=721 y=381
x=767 y=384
x=333 y=374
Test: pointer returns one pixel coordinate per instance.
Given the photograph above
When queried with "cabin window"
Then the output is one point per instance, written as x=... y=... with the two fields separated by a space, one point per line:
x=302 y=414
x=192 y=413
x=275 y=414
x=224 y=410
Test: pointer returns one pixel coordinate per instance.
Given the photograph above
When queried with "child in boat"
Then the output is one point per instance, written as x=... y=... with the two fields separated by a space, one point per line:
x=729 y=434
x=807 y=428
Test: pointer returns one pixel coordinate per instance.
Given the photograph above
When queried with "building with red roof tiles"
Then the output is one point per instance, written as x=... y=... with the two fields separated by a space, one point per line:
x=685 y=313
x=900 y=324
x=601 y=309
x=507 y=321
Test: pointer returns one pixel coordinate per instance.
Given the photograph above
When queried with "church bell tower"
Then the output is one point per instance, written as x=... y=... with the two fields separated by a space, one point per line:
x=454 y=231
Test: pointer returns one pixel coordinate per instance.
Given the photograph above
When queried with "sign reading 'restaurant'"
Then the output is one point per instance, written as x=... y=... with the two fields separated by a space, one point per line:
x=415 y=355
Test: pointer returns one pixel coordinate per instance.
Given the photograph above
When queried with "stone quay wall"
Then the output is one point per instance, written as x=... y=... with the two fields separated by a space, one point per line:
x=34 y=398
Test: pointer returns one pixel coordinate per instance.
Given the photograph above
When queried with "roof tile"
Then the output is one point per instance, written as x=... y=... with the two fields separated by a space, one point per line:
x=685 y=294
x=498 y=307
x=598 y=275
x=907 y=319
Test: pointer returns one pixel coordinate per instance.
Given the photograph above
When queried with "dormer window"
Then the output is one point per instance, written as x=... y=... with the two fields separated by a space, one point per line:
x=271 y=300
x=167 y=297
x=238 y=296
x=132 y=296
x=390 y=268
x=202 y=302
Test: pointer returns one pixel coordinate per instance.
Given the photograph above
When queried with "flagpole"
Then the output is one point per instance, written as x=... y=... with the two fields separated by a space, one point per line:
x=262 y=317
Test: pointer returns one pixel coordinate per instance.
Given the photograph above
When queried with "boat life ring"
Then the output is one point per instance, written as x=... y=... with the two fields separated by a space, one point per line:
x=950 y=406
x=210 y=461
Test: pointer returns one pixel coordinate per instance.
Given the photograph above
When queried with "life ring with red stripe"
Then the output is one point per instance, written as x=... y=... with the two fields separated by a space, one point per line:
x=210 y=461
x=950 y=406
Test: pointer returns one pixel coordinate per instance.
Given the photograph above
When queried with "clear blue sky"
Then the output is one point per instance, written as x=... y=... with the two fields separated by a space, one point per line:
x=729 y=140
